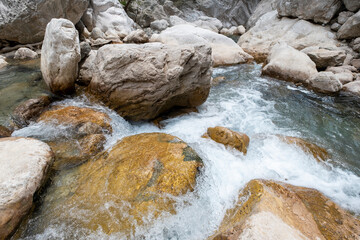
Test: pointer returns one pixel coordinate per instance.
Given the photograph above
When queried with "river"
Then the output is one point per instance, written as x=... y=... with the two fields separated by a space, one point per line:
x=246 y=102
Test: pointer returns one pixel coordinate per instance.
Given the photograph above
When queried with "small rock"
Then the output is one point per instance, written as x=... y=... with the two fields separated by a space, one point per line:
x=159 y=25
x=345 y=77
x=344 y=16
x=29 y=110
x=4 y=132
x=85 y=49
x=325 y=82
x=24 y=163
x=137 y=36
x=3 y=63
x=216 y=81
x=356 y=63
x=341 y=69
x=237 y=140
x=225 y=31
x=335 y=27
x=97 y=33
x=25 y=53
x=353 y=88
x=355 y=44
x=352 y=5
x=241 y=30
x=175 y=20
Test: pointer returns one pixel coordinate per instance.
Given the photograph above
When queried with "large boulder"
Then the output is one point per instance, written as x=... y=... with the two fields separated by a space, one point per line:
x=24 y=164
x=25 y=21
x=289 y=64
x=352 y=5
x=127 y=187
x=325 y=82
x=142 y=81
x=299 y=34
x=351 y=28
x=320 y=11
x=274 y=210
x=110 y=18
x=60 y=55
x=224 y=50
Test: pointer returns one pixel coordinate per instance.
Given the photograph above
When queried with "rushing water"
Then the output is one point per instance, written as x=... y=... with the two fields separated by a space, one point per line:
x=248 y=103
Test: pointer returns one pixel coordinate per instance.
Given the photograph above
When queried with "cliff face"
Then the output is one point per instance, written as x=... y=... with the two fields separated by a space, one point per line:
x=229 y=12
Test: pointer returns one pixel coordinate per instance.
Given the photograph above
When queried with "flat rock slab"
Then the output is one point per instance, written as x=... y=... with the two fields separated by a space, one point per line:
x=23 y=165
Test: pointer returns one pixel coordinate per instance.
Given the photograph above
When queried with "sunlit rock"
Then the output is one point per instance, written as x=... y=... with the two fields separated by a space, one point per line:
x=24 y=163
x=141 y=81
x=274 y=210
x=224 y=50
x=352 y=88
x=299 y=34
x=60 y=55
x=325 y=57
x=289 y=64
x=237 y=140
x=137 y=36
x=129 y=186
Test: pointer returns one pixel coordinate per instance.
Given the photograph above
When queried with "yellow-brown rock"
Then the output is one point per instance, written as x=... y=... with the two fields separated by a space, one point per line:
x=237 y=140
x=77 y=117
x=138 y=178
x=71 y=152
x=4 y=132
x=319 y=153
x=283 y=211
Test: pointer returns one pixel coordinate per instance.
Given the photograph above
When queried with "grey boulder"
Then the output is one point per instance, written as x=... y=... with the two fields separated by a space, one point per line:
x=60 y=55
x=142 y=81
x=351 y=28
x=325 y=82
x=24 y=21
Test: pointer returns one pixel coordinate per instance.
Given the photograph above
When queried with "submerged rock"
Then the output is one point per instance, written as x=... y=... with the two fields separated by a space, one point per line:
x=351 y=28
x=4 y=132
x=24 y=21
x=82 y=120
x=29 y=110
x=237 y=140
x=319 y=153
x=325 y=82
x=25 y=53
x=24 y=163
x=274 y=210
x=320 y=11
x=85 y=134
x=289 y=64
x=60 y=55
x=224 y=50
x=130 y=186
x=142 y=81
